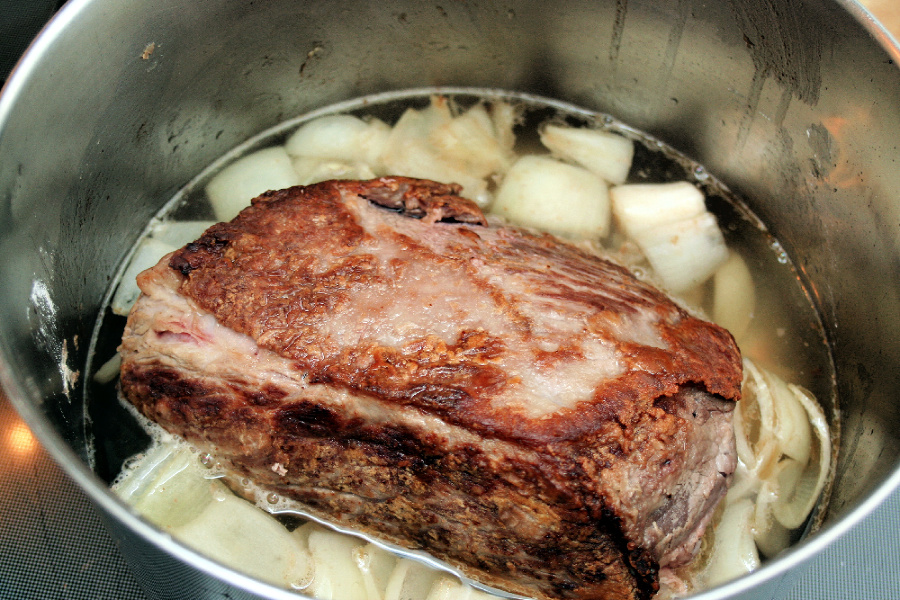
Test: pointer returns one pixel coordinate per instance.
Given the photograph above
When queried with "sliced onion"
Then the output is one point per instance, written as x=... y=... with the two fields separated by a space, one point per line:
x=604 y=153
x=247 y=539
x=791 y=420
x=410 y=581
x=395 y=583
x=418 y=582
x=771 y=537
x=169 y=489
x=797 y=501
x=734 y=552
x=448 y=588
x=232 y=189
x=376 y=566
x=734 y=296
x=541 y=192
x=744 y=484
x=337 y=575
x=778 y=456
x=754 y=424
x=166 y=488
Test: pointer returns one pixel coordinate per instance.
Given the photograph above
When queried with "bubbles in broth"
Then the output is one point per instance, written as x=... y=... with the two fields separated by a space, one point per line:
x=780 y=337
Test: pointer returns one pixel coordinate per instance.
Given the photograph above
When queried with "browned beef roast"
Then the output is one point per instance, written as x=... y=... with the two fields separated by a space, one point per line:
x=510 y=402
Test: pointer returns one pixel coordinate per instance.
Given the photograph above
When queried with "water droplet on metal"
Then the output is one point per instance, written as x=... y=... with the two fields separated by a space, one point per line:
x=700 y=173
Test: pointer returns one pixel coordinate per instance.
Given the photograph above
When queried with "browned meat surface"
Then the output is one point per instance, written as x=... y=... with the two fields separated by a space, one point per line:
x=512 y=403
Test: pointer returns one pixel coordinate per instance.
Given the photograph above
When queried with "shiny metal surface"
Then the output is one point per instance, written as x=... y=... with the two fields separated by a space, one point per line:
x=795 y=105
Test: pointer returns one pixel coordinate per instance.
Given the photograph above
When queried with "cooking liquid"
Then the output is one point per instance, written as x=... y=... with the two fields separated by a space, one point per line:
x=785 y=334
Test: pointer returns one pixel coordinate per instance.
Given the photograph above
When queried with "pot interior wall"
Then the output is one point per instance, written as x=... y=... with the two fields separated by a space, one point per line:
x=793 y=104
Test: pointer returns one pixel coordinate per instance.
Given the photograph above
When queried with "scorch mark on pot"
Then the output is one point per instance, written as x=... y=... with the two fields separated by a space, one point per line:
x=782 y=47
x=618 y=29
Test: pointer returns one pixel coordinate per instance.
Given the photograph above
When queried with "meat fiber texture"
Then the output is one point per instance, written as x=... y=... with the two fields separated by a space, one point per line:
x=514 y=404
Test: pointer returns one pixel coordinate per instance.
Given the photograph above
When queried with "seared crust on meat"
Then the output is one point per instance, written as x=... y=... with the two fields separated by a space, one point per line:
x=296 y=256
x=515 y=404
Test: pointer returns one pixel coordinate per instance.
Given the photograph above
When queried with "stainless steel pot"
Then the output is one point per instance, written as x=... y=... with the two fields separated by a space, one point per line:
x=795 y=105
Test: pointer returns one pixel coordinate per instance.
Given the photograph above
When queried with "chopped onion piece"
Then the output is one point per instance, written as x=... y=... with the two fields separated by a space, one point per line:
x=676 y=233
x=165 y=237
x=239 y=535
x=313 y=170
x=734 y=552
x=692 y=298
x=409 y=152
x=640 y=206
x=232 y=189
x=542 y=192
x=684 y=253
x=147 y=254
x=342 y=138
x=604 y=153
x=433 y=144
x=109 y=370
x=734 y=296
x=794 y=506
x=470 y=140
x=504 y=117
